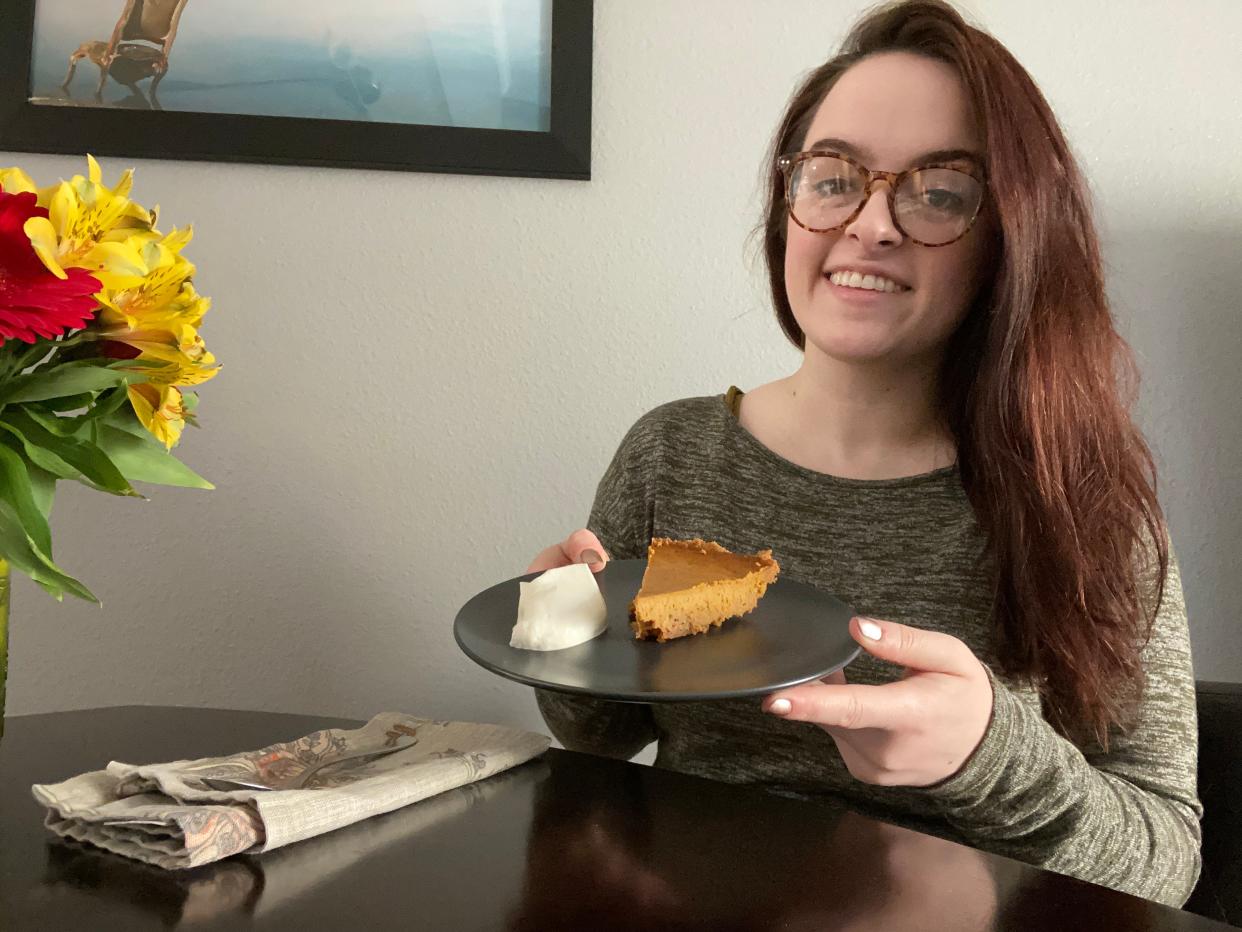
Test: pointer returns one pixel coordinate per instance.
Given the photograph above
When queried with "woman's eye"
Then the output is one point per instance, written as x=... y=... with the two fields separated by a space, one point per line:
x=833 y=187
x=942 y=199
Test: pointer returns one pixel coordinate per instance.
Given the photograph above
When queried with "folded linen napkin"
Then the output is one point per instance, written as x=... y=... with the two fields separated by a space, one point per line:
x=165 y=815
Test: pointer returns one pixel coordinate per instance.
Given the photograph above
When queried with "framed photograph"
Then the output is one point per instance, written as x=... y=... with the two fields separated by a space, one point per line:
x=496 y=87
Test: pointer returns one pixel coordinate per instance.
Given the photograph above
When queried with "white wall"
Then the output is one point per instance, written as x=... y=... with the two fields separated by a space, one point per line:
x=424 y=375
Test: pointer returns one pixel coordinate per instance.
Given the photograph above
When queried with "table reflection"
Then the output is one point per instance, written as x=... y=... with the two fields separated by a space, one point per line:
x=607 y=853
x=577 y=843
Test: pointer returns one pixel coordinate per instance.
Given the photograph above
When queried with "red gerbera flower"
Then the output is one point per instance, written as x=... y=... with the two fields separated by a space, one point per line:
x=34 y=302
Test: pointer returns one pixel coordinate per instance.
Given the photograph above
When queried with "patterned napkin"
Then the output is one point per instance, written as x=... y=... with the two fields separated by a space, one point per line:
x=164 y=815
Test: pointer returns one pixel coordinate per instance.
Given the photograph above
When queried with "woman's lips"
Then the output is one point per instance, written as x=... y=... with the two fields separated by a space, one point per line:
x=867 y=281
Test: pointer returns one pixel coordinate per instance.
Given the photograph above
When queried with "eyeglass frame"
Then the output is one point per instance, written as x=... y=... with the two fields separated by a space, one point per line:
x=786 y=163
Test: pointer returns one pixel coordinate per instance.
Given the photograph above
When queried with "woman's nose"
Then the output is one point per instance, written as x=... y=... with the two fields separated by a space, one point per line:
x=874 y=226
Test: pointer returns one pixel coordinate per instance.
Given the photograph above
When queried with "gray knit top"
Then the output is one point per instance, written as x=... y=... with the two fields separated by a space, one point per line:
x=907 y=550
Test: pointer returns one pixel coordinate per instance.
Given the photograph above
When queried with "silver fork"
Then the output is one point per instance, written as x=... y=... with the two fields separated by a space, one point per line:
x=225 y=784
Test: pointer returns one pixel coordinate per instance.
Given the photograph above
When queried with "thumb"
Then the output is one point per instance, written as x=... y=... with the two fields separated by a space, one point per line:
x=913 y=648
x=583 y=546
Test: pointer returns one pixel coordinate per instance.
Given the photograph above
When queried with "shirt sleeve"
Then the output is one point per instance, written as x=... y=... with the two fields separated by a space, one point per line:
x=621 y=519
x=1127 y=817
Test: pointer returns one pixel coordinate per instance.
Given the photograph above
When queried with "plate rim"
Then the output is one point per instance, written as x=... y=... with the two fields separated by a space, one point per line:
x=644 y=698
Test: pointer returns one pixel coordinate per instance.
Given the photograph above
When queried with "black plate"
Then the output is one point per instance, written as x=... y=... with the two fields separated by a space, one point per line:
x=796 y=634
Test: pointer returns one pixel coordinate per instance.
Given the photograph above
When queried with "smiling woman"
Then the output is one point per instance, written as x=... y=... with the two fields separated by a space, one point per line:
x=912 y=112
x=955 y=457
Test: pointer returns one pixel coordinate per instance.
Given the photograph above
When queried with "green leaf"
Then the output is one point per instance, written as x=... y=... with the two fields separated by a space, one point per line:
x=59 y=381
x=69 y=403
x=125 y=419
x=50 y=420
x=146 y=460
x=23 y=554
x=16 y=489
x=43 y=485
x=109 y=402
x=85 y=457
x=53 y=591
x=45 y=459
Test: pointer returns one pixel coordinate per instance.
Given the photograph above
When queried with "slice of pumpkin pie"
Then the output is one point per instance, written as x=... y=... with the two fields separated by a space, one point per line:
x=690 y=586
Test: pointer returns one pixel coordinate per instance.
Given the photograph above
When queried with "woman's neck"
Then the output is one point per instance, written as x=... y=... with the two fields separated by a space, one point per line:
x=853 y=421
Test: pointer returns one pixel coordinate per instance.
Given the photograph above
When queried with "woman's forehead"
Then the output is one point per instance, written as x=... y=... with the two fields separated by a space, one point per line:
x=894 y=107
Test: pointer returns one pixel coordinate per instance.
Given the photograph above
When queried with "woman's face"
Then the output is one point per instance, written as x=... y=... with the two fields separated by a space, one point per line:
x=888 y=111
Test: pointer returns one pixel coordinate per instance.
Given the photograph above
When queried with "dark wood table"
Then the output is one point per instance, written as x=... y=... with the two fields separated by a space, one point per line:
x=567 y=841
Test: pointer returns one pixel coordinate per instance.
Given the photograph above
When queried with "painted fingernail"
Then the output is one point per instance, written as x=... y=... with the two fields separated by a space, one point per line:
x=590 y=556
x=780 y=707
x=869 y=629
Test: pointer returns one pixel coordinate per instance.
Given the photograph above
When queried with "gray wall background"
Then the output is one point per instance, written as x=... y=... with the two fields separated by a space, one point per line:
x=424 y=375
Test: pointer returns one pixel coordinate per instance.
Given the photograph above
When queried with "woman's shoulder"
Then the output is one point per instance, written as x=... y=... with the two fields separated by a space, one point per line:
x=686 y=420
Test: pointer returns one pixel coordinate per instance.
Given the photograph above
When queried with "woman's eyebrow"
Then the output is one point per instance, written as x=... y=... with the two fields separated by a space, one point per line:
x=949 y=155
x=840 y=145
x=936 y=155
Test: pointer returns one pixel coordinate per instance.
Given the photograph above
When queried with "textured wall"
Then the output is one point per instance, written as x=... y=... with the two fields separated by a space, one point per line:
x=425 y=374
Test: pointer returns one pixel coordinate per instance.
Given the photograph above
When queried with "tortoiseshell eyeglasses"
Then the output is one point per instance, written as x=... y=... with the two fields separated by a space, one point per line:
x=933 y=205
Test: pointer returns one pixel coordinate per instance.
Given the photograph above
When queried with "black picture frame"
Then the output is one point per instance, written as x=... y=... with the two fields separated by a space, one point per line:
x=562 y=152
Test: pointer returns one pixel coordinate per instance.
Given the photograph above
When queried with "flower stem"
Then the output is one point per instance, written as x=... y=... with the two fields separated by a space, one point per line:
x=46 y=351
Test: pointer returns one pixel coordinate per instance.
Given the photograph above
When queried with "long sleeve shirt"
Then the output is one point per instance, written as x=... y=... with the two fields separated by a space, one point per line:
x=908 y=550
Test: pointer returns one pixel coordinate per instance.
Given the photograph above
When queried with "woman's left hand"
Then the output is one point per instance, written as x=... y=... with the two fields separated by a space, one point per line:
x=916 y=731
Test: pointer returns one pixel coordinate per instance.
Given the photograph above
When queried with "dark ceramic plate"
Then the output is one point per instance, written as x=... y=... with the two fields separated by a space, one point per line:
x=796 y=634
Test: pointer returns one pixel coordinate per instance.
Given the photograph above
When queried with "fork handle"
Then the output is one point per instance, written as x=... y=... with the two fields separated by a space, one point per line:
x=304 y=777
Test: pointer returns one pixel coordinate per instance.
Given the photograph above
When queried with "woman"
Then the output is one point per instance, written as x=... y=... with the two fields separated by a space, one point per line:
x=955 y=458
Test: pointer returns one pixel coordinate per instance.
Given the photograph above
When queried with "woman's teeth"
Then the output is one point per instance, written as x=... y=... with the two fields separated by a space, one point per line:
x=867 y=282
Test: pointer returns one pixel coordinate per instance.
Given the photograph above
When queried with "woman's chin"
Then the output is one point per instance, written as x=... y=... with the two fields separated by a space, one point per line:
x=857 y=348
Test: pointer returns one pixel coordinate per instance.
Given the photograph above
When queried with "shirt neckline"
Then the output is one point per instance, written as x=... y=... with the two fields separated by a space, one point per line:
x=730 y=402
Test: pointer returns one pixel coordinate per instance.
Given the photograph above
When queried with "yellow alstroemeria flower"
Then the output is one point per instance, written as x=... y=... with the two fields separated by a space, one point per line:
x=15 y=181
x=157 y=314
x=173 y=323
x=161 y=410
x=84 y=216
x=180 y=358
x=152 y=277
x=174 y=354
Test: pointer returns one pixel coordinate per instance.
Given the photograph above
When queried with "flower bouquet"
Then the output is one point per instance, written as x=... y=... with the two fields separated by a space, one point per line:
x=99 y=339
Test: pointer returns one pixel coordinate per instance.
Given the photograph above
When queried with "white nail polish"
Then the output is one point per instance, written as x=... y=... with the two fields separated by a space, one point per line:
x=869 y=629
x=780 y=707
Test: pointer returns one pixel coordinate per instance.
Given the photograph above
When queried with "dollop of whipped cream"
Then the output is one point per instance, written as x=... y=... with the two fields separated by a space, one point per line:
x=559 y=609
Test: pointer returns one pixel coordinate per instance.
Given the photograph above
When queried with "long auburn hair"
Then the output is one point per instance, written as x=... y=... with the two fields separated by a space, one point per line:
x=1036 y=387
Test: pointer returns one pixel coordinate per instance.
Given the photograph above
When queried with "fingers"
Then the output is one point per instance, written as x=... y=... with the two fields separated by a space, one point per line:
x=836 y=678
x=548 y=558
x=913 y=648
x=830 y=705
x=579 y=547
x=584 y=547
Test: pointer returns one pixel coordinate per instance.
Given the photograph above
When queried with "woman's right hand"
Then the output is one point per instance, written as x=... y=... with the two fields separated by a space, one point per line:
x=579 y=547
